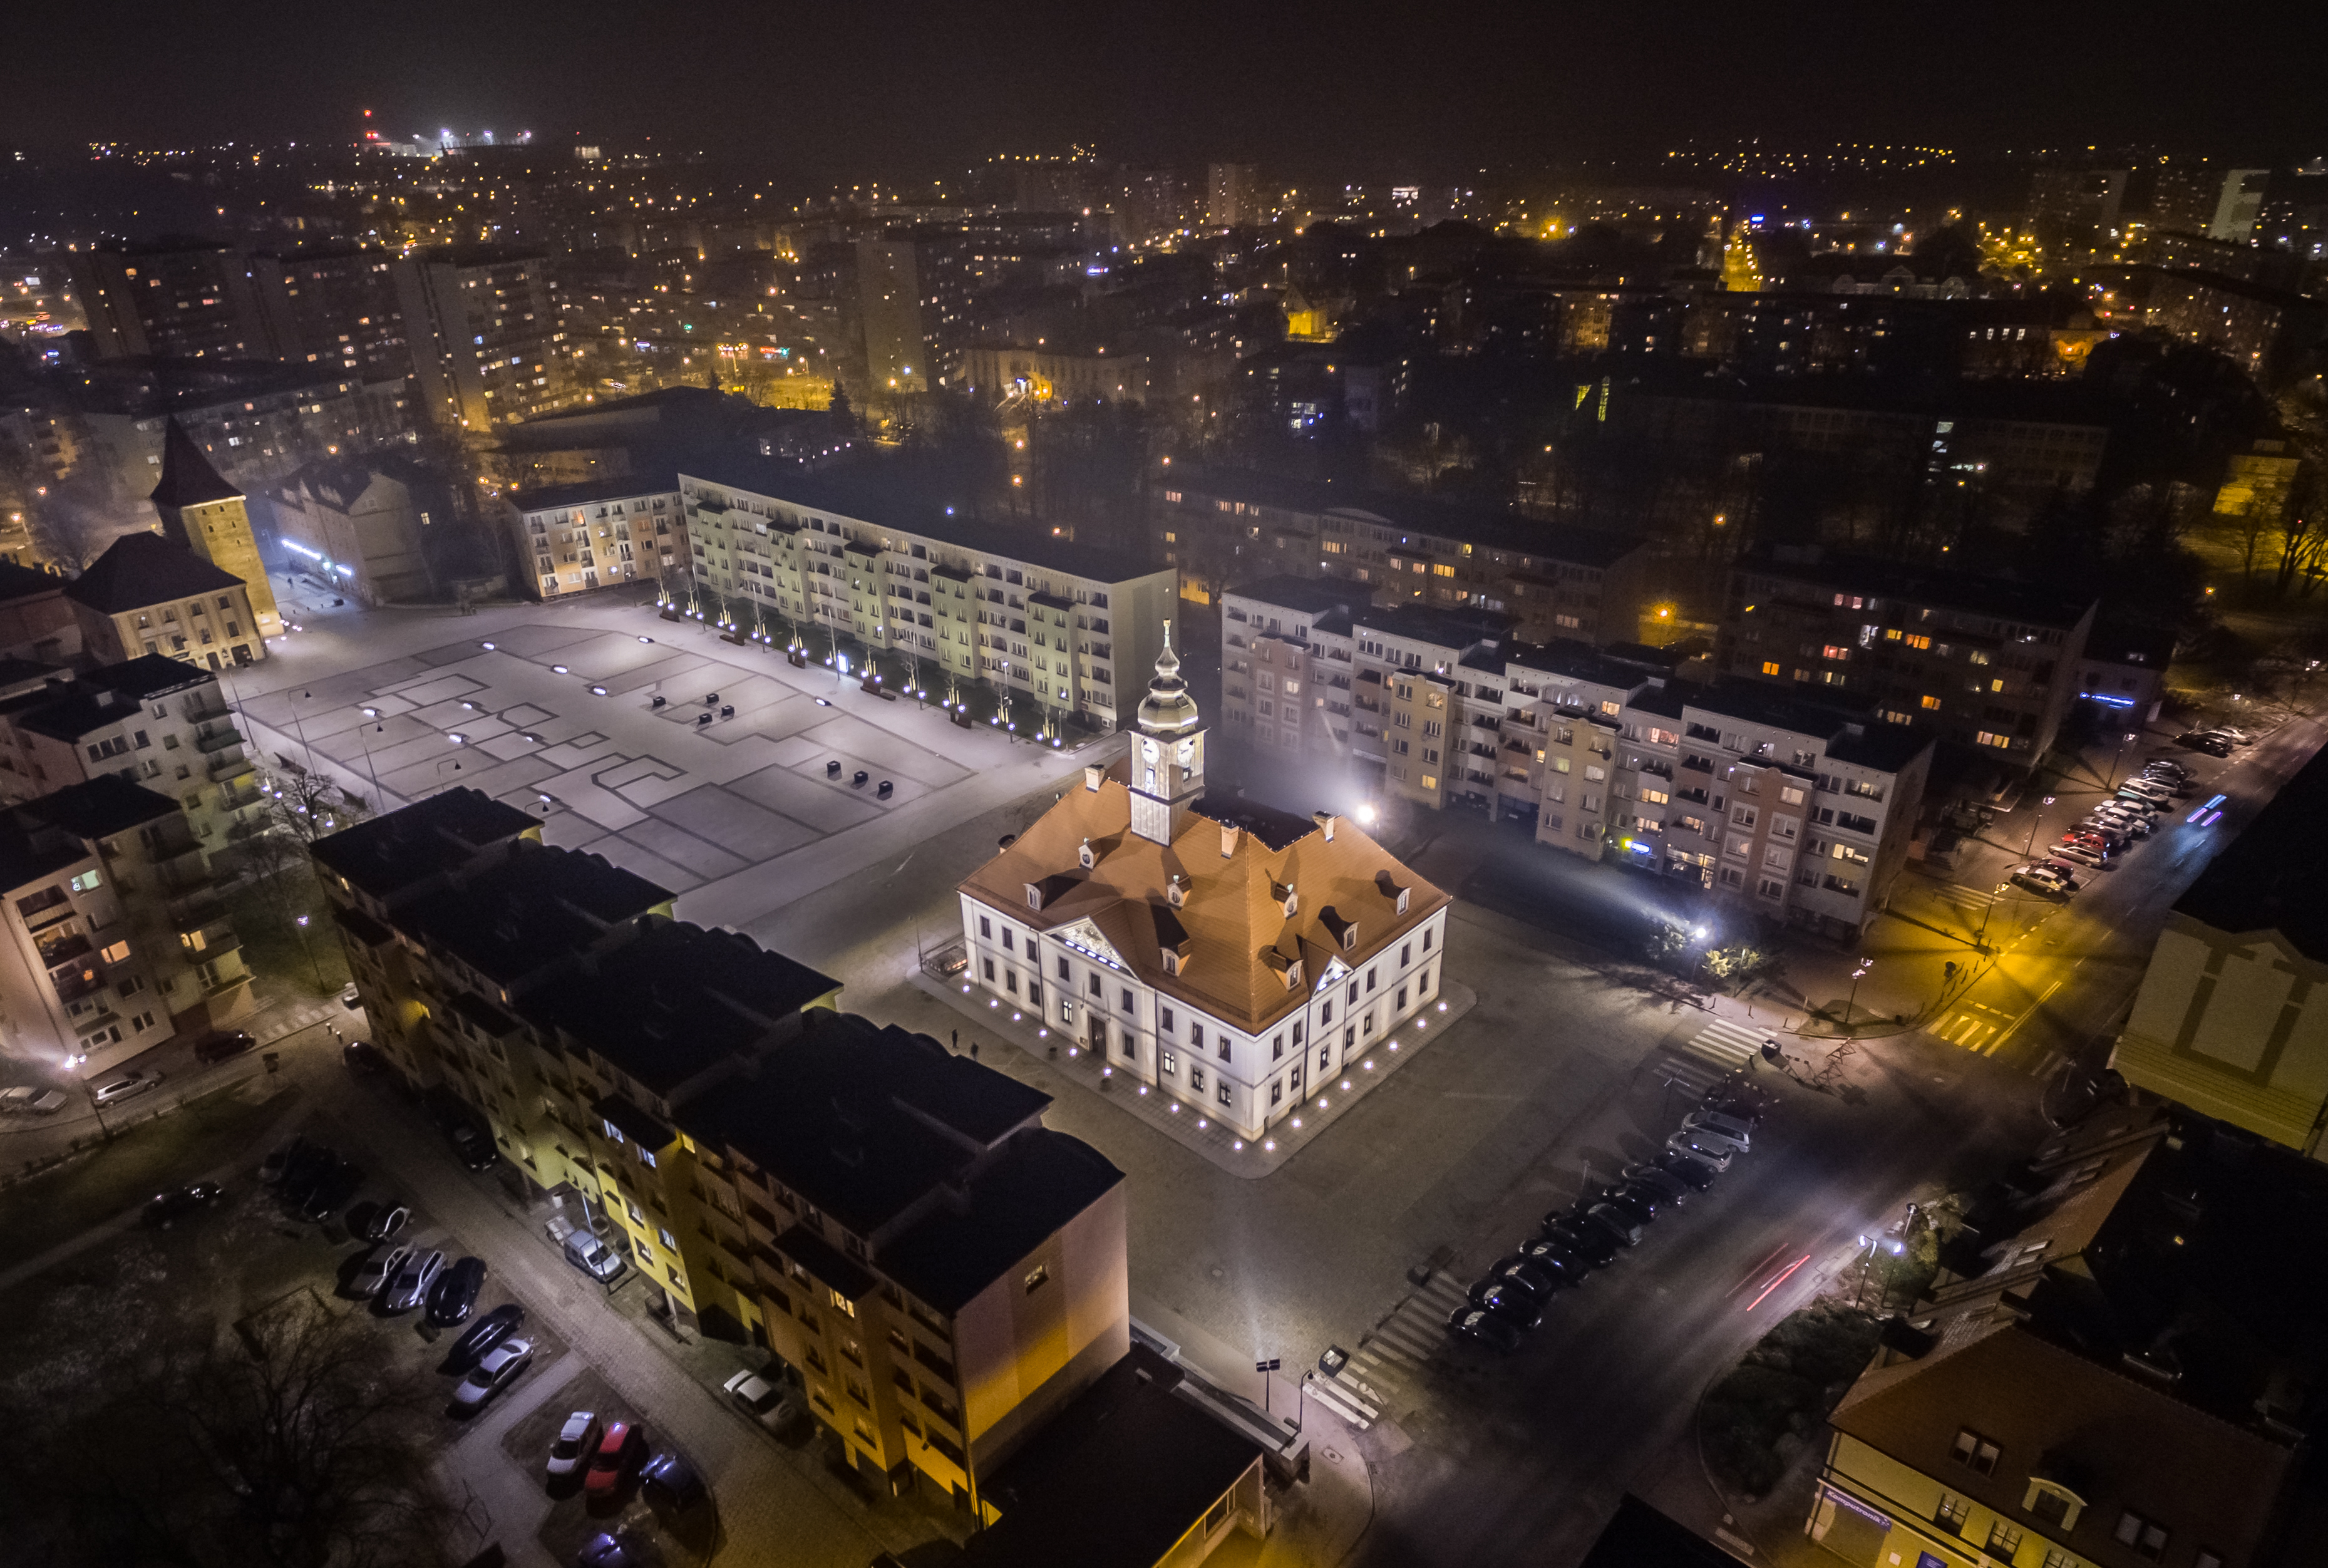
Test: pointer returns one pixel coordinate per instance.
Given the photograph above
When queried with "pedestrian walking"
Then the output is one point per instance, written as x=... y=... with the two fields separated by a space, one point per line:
x=973 y=1050
x=957 y=1042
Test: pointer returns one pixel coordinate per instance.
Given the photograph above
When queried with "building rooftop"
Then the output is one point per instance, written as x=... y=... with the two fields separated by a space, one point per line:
x=188 y=478
x=2274 y=877
x=1439 y=628
x=1577 y=661
x=1041 y=1181
x=25 y=583
x=676 y=1000
x=1116 y=1479
x=100 y=808
x=435 y=835
x=523 y=912
x=878 y=501
x=2040 y=604
x=1414 y=514
x=1639 y=1536
x=864 y=1121
x=589 y=492
x=1314 y=596
x=142 y=570
x=1239 y=938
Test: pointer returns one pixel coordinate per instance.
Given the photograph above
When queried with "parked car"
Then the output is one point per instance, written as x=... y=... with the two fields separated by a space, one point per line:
x=671 y=1482
x=455 y=1294
x=1563 y=1264
x=593 y=1256
x=2234 y=735
x=482 y=1335
x=2146 y=791
x=1733 y=1097
x=2081 y=853
x=1482 y=1327
x=2040 y=878
x=618 y=1453
x=1672 y=1187
x=124 y=1087
x=1712 y=1152
x=279 y=1160
x=504 y=1365
x=167 y=1208
x=1687 y=1168
x=602 y=1550
x=2196 y=740
x=373 y=1275
x=412 y=1281
x=33 y=1098
x=1521 y=1308
x=2169 y=768
x=766 y=1403
x=1715 y=1123
x=2112 y=838
x=475 y=1148
x=1650 y=1201
x=1619 y=1225
x=363 y=1056
x=329 y=1192
x=220 y=1045
x=577 y=1440
x=1519 y=1271
x=348 y=997
x=1589 y=1242
x=387 y=1220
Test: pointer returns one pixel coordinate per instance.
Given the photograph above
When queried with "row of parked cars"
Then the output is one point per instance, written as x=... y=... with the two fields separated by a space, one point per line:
x=1510 y=1302
x=2110 y=829
x=2216 y=742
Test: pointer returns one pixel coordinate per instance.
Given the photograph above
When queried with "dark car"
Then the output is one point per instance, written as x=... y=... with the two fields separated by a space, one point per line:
x=363 y=1056
x=308 y=1164
x=1523 y=1272
x=1688 y=1169
x=1620 y=1225
x=482 y=1335
x=455 y=1294
x=1744 y=1101
x=384 y=1221
x=280 y=1159
x=167 y=1207
x=1482 y=1327
x=602 y=1550
x=619 y=1452
x=1638 y=1204
x=2212 y=745
x=1563 y=1264
x=671 y=1482
x=1672 y=1188
x=1514 y=1305
x=220 y=1044
x=329 y=1192
x=475 y=1148
x=1589 y=1242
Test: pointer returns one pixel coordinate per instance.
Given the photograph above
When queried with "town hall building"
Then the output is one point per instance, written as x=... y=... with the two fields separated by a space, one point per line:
x=1235 y=958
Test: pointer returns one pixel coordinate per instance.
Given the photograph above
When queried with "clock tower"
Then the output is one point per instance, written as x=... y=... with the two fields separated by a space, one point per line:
x=1168 y=752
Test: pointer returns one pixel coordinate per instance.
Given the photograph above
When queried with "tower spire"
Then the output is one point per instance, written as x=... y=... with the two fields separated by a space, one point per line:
x=1167 y=709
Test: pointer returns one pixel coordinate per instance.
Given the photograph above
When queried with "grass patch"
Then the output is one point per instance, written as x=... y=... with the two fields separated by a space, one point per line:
x=283 y=958
x=60 y=1204
x=1785 y=1387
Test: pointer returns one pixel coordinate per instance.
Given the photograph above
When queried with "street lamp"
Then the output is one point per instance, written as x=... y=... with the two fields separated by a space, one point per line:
x=1865 y=965
x=1980 y=943
x=2030 y=848
x=309 y=950
x=2124 y=740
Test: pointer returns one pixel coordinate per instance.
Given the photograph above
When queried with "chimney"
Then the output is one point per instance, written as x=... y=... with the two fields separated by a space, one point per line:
x=1091 y=779
x=1325 y=821
x=1228 y=841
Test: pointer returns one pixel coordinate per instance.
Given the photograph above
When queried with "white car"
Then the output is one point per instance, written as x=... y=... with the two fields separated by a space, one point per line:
x=2041 y=879
x=33 y=1097
x=766 y=1403
x=409 y=1286
x=501 y=1367
x=577 y=1439
x=377 y=1271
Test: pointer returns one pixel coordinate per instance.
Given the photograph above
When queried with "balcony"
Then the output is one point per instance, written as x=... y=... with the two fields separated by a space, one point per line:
x=211 y=740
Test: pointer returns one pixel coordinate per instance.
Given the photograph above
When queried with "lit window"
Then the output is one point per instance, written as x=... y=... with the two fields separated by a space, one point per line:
x=1932 y=704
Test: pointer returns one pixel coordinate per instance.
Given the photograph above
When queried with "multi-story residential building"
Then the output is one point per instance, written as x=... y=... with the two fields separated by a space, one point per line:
x=146 y=595
x=575 y=539
x=1064 y=626
x=889 y=1218
x=1226 y=526
x=1601 y=750
x=360 y=527
x=1233 y=195
x=888 y=312
x=2231 y=1018
x=115 y=939
x=486 y=344
x=1989 y=665
x=1236 y=959
x=36 y=620
x=2111 y=1370
x=333 y=307
x=154 y=720
x=209 y=516
x=173 y=299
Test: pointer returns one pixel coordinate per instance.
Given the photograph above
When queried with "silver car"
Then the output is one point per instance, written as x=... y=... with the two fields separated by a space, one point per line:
x=501 y=1367
x=378 y=1269
x=410 y=1286
x=113 y=1091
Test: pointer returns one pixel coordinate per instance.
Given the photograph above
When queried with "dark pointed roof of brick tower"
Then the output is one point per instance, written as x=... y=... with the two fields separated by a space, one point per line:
x=188 y=479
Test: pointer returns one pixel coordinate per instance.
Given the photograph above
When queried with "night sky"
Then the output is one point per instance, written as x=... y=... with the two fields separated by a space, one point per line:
x=912 y=90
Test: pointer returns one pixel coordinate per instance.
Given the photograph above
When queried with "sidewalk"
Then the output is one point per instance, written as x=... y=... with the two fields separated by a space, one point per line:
x=1187 y=1122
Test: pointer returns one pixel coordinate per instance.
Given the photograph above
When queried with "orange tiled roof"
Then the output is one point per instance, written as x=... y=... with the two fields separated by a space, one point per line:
x=1232 y=916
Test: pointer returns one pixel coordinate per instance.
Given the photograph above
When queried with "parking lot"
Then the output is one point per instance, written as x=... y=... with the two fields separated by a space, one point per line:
x=695 y=763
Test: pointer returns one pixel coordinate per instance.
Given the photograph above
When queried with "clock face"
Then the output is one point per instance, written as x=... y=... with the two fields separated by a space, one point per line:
x=1148 y=752
x=1188 y=754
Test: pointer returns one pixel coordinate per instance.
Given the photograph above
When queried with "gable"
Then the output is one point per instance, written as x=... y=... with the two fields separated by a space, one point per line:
x=1084 y=937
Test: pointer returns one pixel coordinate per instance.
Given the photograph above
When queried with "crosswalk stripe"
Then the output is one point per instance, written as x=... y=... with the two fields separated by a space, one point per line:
x=1385 y=1352
x=1448 y=1291
x=1408 y=1336
x=1355 y=1397
x=1323 y=1393
x=1726 y=1043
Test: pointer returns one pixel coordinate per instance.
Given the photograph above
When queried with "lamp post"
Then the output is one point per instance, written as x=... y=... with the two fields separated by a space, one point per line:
x=2030 y=848
x=1980 y=943
x=80 y=1060
x=2124 y=740
x=1849 y=1007
x=308 y=948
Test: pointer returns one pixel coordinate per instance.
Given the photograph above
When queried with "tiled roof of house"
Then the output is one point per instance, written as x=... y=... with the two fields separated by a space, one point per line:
x=139 y=569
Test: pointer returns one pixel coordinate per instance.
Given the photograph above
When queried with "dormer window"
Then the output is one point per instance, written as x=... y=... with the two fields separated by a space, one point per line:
x=1176 y=891
x=1288 y=900
x=1034 y=897
x=1083 y=856
x=1171 y=961
x=2052 y=1503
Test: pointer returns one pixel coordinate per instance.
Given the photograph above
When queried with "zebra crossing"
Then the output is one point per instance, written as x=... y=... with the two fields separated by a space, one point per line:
x=1380 y=1372
x=1974 y=1027
x=1727 y=1043
x=1959 y=896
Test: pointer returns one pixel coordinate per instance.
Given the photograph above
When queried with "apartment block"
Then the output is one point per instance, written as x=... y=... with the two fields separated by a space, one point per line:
x=152 y=720
x=889 y=1218
x=115 y=939
x=173 y=299
x=333 y=307
x=2111 y=1370
x=1221 y=527
x=1987 y=665
x=486 y=346
x=576 y=538
x=146 y=595
x=1067 y=627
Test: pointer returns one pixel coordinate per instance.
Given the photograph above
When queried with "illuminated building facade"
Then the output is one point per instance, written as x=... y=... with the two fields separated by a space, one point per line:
x=210 y=518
